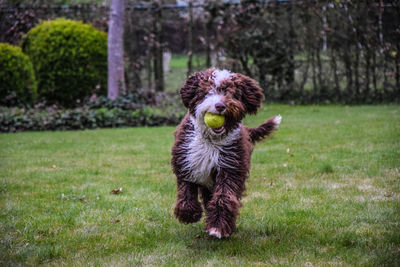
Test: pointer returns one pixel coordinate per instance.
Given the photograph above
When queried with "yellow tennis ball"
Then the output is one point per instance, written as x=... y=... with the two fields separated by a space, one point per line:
x=214 y=121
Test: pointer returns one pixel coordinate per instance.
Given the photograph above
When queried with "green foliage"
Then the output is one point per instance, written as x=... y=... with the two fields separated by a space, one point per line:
x=16 y=119
x=17 y=79
x=125 y=111
x=128 y=102
x=259 y=40
x=69 y=58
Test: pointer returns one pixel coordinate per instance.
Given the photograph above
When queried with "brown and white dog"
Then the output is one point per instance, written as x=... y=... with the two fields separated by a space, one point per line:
x=216 y=162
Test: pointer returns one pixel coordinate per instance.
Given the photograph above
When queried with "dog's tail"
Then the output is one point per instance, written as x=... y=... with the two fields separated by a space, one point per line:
x=265 y=129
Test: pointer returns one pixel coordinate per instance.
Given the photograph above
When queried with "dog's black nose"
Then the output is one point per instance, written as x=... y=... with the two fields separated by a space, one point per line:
x=220 y=107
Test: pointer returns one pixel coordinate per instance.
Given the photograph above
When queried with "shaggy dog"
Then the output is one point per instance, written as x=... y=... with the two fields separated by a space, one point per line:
x=216 y=162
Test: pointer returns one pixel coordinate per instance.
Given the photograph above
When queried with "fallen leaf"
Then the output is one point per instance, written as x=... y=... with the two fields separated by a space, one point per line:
x=82 y=199
x=389 y=194
x=116 y=191
x=114 y=220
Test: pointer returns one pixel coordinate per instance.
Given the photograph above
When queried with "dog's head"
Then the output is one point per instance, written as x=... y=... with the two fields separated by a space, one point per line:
x=221 y=92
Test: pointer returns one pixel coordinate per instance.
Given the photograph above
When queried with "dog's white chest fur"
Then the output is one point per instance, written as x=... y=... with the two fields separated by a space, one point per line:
x=201 y=159
x=203 y=155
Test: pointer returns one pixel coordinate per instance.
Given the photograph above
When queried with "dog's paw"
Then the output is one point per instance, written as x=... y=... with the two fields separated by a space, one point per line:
x=186 y=213
x=277 y=120
x=215 y=232
x=219 y=232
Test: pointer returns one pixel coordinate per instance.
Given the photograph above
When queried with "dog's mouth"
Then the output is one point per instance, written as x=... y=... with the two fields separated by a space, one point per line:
x=218 y=130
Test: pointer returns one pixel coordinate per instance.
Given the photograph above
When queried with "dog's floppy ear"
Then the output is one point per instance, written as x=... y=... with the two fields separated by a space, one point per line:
x=188 y=90
x=252 y=95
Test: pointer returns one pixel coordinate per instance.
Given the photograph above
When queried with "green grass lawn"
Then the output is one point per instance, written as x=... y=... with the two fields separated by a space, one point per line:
x=324 y=190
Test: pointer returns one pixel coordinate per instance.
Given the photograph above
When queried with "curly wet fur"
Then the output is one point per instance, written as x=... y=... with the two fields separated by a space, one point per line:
x=215 y=162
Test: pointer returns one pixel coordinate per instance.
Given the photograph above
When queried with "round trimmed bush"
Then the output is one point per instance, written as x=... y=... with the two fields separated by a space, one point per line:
x=17 y=78
x=69 y=59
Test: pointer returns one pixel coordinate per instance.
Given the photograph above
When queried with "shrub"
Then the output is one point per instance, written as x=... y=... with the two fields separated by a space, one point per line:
x=17 y=78
x=17 y=119
x=127 y=102
x=99 y=113
x=69 y=58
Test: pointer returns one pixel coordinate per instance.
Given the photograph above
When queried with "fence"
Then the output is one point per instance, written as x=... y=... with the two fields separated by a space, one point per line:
x=301 y=51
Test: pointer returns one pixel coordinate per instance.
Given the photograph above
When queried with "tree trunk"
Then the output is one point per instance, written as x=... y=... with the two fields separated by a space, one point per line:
x=244 y=62
x=149 y=71
x=305 y=77
x=290 y=69
x=337 y=94
x=190 y=41
x=397 y=69
x=158 y=49
x=209 y=26
x=367 y=74
x=357 y=75
x=116 y=79
x=349 y=74
x=374 y=78
x=321 y=83
x=314 y=76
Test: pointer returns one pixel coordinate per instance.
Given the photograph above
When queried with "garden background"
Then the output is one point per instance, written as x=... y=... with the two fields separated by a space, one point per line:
x=305 y=52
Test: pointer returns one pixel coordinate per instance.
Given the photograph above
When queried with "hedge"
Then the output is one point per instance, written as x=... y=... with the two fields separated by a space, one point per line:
x=17 y=78
x=20 y=119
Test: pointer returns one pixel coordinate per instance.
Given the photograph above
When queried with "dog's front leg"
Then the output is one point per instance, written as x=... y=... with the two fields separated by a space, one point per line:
x=223 y=208
x=188 y=208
